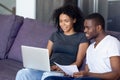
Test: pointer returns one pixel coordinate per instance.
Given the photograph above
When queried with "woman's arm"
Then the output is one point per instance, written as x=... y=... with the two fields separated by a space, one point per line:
x=81 y=53
x=49 y=47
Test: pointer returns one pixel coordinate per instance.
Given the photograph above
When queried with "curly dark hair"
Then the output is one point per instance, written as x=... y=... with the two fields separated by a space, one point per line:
x=73 y=12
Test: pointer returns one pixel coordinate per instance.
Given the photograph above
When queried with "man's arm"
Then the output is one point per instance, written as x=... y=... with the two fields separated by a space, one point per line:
x=112 y=75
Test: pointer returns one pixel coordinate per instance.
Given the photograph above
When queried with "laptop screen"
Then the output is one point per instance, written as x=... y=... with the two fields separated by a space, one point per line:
x=35 y=58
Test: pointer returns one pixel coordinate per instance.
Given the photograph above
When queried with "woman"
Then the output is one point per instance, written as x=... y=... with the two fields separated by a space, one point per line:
x=67 y=46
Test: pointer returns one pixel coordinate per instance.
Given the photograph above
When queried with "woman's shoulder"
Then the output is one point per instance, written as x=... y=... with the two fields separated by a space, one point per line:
x=56 y=33
x=81 y=33
x=82 y=37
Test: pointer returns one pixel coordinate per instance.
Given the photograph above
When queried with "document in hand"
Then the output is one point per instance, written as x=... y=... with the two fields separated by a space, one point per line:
x=68 y=69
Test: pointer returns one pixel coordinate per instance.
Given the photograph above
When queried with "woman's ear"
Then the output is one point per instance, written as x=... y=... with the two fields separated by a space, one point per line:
x=74 y=20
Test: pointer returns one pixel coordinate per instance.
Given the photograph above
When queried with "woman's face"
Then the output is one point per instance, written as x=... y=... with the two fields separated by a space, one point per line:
x=66 y=23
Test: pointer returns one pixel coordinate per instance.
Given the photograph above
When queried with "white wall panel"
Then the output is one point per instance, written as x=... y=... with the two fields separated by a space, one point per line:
x=26 y=8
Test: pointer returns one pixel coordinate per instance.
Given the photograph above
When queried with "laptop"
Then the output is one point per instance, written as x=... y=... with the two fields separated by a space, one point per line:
x=35 y=58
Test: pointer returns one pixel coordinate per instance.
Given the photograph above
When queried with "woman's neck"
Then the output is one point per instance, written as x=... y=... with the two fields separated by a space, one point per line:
x=69 y=33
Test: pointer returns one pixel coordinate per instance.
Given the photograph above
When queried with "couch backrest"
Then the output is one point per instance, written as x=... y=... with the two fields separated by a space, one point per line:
x=9 y=26
x=115 y=34
x=32 y=33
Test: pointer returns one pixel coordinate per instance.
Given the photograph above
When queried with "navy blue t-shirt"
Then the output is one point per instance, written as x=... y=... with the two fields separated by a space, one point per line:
x=65 y=47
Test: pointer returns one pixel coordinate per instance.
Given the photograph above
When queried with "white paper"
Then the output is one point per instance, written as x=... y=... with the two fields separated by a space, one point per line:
x=68 y=69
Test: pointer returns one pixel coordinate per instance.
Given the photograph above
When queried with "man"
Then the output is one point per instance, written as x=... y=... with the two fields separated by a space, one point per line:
x=103 y=55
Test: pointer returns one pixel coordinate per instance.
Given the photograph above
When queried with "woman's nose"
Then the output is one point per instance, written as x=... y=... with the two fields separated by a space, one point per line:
x=85 y=30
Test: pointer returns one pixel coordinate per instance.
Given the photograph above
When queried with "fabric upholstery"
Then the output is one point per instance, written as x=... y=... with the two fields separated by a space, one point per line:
x=115 y=34
x=16 y=26
x=8 y=31
x=32 y=33
x=9 y=68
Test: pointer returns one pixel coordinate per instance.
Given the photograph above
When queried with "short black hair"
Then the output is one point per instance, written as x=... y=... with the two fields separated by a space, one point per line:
x=98 y=18
x=72 y=11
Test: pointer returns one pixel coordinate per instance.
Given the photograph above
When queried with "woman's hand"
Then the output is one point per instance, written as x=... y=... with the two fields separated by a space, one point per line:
x=55 y=68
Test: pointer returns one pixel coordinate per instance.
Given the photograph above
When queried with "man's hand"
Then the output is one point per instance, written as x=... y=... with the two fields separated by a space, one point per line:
x=80 y=74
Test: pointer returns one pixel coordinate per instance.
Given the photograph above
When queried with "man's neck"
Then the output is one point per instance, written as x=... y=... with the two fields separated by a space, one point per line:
x=99 y=38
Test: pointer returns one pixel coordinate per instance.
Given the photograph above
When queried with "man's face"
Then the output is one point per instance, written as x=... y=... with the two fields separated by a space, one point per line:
x=90 y=29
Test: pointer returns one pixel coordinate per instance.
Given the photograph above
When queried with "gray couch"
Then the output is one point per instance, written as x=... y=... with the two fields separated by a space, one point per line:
x=16 y=31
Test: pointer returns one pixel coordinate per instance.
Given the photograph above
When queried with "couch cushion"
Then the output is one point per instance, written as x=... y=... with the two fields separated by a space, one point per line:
x=32 y=33
x=115 y=34
x=16 y=26
x=9 y=25
x=9 y=68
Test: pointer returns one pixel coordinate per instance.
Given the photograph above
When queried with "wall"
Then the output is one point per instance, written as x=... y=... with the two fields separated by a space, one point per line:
x=26 y=8
x=8 y=3
x=114 y=15
x=45 y=9
x=37 y=9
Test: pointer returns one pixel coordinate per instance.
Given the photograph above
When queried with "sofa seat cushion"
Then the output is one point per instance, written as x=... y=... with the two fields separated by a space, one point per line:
x=9 y=26
x=32 y=33
x=9 y=68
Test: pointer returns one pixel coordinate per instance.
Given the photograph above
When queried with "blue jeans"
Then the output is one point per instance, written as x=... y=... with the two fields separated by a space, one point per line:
x=58 y=78
x=87 y=78
x=29 y=74
x=70 y=78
